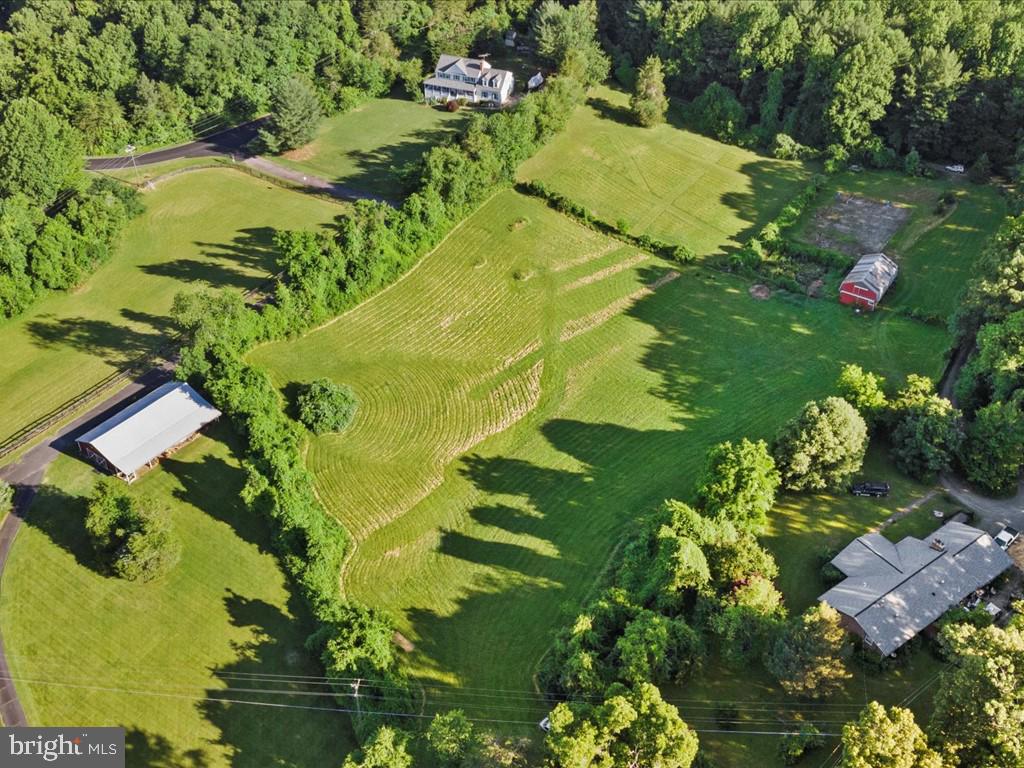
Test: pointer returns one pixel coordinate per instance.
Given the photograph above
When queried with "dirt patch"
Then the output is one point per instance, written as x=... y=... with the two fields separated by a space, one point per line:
x=518 y=224
x=760 y=292
x=403 y=642
x=393 y=552
x=301 y=154
x=815 y=288
x=855 y=225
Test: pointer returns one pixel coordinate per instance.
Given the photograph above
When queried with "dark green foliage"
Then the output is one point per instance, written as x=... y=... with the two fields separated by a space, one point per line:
x=981 y=171
x=327 y=407
x=739 y=483
x=821 y=447
x=648 y=102
x=40 y=155
x=912 y=163
x=926 y=435
x=998 y=288
x=806 y=657
x=294 y=115
x=130 y=542
x=567 y=39
x=872 y=78
x=993 y=451
x=717 y=113
x=794 y=746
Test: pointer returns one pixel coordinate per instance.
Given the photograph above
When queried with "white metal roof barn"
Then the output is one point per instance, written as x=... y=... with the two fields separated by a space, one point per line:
x=137 y=436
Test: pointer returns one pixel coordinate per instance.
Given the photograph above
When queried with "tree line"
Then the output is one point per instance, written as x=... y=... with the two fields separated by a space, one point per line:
x=864 y=80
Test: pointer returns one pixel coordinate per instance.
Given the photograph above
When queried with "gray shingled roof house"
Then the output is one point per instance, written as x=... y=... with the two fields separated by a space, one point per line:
x=868 y=281
x=138 y=435
x=458 y=77
x=893 y=591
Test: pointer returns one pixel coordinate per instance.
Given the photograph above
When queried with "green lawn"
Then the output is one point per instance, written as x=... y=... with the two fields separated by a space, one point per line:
x=663 y=181
x=935 y=253
x=210 y=227
x=367 y=147
x=103 y=651
x=523 y=398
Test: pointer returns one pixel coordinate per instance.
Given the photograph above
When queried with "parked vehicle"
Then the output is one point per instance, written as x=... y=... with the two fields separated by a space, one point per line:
x=955 y=168
x=870 y=489
x=1006 y=537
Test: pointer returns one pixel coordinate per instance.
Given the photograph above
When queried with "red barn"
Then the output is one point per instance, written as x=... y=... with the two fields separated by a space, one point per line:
x=868 y=281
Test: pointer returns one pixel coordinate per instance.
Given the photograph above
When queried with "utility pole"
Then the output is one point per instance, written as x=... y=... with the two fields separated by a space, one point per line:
x=130 y=149
x=355 y=687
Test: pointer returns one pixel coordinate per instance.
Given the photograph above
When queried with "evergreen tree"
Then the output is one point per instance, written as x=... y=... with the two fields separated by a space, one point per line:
x=648 y=102
x=294 y=117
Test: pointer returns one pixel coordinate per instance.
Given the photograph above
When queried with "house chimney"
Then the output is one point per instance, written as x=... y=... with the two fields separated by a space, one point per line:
x=937 y=545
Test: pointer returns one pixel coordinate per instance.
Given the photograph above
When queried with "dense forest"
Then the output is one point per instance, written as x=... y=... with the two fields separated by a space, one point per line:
x=876 y=77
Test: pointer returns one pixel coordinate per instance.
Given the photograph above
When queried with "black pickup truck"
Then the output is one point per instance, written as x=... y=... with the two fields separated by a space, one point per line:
x=870 y=489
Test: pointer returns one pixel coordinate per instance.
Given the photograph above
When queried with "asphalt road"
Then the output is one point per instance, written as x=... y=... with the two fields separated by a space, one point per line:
x=232 y=143
x=223 y=144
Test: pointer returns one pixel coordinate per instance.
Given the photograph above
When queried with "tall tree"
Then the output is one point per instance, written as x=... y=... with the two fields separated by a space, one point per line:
x=648 y=101
x=567 y=39
x=630 y=727
x=886 y=738
x=295 y=115
x=806 y=658
x=979 y=705
x=821 y=447
x=40 y=155
x=739 y=483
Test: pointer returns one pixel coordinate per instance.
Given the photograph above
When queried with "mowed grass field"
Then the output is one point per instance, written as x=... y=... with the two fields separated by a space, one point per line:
x=368 y=147
x=208 y=227
x=526 y=392
x=91 y=649
x=663 y=181
x=935 y=252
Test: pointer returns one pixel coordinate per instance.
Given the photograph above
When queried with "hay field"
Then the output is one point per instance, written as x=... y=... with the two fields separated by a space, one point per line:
x=524 y=393
x=663 y=181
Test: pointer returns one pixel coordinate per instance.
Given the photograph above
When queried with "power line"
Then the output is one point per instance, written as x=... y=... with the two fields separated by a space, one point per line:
x=306 y=707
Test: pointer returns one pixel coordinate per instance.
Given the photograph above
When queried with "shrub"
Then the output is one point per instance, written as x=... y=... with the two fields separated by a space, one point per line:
x=912 y=163
x=981 y=171
x=129 y=542
x=785 y=147
x=717 y=113
x=794 y=746
x=822 y=446
x=327 y=407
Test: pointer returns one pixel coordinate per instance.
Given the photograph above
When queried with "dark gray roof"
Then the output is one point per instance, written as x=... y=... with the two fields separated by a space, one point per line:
x=874 y=271
x=149 y=427
x=893 y=591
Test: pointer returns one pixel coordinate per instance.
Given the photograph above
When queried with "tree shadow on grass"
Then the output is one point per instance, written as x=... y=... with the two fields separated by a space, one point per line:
x=610 y=111
x=61 y=517
x=114 y=343
x=237 y=264
x=388 y=169
x=272 y=673
x=144 y=748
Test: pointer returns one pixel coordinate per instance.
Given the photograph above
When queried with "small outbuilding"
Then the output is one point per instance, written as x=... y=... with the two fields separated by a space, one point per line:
x=153 y=426
x=868 y=281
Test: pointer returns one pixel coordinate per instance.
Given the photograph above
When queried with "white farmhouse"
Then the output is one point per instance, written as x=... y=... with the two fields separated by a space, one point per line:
x=475 y=80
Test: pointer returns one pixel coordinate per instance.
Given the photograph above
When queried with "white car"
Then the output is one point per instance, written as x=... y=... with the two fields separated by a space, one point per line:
x=545 y=724
x=955 y=168
x=1006 y=537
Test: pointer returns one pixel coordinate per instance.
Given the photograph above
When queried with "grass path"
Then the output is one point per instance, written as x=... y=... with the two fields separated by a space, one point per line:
x=207 y=227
